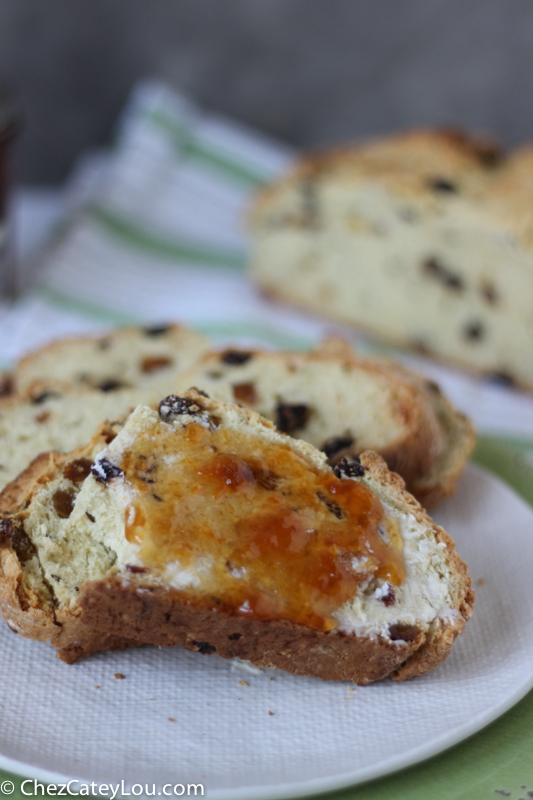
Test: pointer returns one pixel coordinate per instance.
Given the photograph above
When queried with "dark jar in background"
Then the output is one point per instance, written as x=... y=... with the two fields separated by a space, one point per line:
x=10 y=120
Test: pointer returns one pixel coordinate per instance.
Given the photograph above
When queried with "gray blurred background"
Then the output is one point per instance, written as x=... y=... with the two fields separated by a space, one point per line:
x=311 y=72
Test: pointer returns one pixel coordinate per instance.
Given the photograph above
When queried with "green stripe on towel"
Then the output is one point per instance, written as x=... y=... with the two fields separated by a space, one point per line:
x=135 y=235
x=85 y=308
x=188 y=147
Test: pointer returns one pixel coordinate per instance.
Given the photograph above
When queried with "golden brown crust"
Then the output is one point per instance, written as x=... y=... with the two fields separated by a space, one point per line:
x=161 y=616
x=402 y=158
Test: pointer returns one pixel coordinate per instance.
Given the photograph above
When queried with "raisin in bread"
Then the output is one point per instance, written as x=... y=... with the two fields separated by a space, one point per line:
x=120 y=359
x=204 y=526
x=344 y=404
x=424 y=239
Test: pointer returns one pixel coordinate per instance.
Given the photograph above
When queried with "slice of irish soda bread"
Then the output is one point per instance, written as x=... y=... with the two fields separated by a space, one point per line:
x=120 y=359
x=64 y=391
x=344 y=404
x=204 y=526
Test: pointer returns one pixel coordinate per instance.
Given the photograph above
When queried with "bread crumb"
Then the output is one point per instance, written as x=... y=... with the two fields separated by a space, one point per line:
x=272 y=679
x=96 y=687
x=119 y=676
x=171 y=719
x=270 y=713
x=351 y=688
x=480 y=581
x=243 y=683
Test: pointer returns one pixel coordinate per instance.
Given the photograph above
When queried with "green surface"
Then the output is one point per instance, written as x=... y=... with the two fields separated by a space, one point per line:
x=498 y=761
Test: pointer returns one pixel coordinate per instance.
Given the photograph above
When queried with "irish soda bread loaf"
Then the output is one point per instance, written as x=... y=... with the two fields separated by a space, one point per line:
x=344 y=404
x=424 y=239
x=202 y=525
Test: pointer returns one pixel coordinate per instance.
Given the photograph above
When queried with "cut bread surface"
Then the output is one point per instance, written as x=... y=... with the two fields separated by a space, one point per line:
x=31 y=564
x=202 y=525
x=65 y=390
x=417 y=239
x=120 y=359
x=344 y=404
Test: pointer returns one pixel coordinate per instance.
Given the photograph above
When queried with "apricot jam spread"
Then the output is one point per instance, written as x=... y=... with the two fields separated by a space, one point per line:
x=249 y=527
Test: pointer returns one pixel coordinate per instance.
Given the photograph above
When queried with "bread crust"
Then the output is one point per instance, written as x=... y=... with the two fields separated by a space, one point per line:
x=410 y=152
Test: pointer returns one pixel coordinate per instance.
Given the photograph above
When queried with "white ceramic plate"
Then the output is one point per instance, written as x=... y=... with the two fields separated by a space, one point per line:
x=56 y=725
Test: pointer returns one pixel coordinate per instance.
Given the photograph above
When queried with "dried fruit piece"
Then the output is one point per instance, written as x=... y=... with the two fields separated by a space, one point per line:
x=21 y=543
x=435 y=269
x=7 y=385
x=174 y=406
x=474 y=331
x=404 y=632
x=156 y=330
x=203 y=647
x=290 y=417
x=110 y=385
x=349 y=469
x=104 y=471
x=245 y=393
x=77 y=470
x=153 y=363
x=63 y=501
x=336 y=444
x=443 y=185
x=235 y=357
x=42 y=396
x=386 y=594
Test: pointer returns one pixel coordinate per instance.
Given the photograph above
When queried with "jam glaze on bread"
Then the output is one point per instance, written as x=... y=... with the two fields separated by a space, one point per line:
x=423 y=239
x=202 y=525
x=344 y=404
